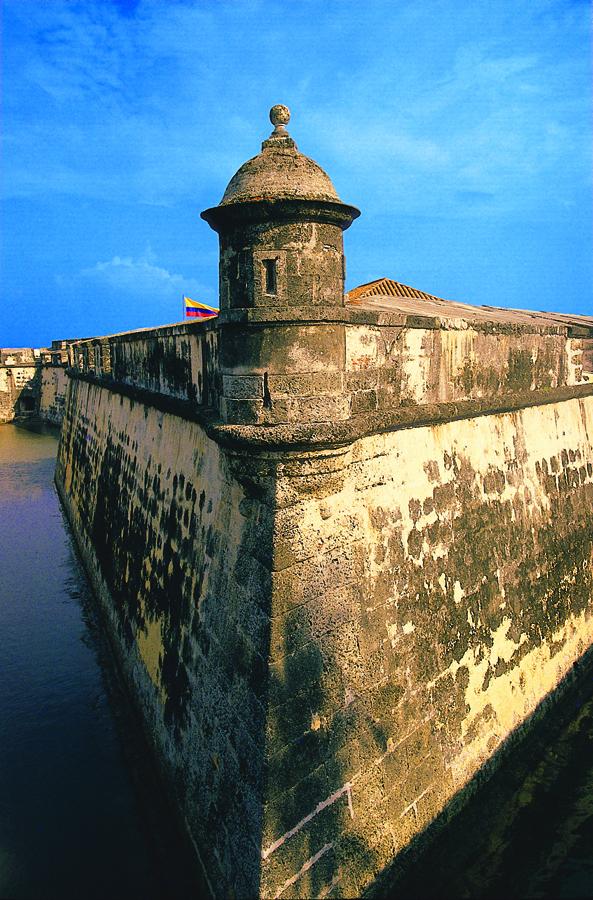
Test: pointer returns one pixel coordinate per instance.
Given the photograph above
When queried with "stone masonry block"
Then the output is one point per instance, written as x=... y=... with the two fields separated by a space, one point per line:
x=435 y=799
x=241 y=412
x=320 y=409
x=363 y=402
x=368 y=789
x=327 y=382
x=243 y=387
x=419 y=744
x=423 y=776
x=395 y=767
x=305 y=385
x=290 y=385
x=362 y=347
x=363 y=379
x=387 y=398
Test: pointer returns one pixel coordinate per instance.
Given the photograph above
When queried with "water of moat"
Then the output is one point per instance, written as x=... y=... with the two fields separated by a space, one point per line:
x=81 y=811
x=82 y=814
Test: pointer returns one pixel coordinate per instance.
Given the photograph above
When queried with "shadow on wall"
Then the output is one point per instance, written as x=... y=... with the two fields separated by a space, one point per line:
x=526 y=832
x=311 y=842
x=192 y=602
x=321 y=825
x=26 y=405
x=491 y=836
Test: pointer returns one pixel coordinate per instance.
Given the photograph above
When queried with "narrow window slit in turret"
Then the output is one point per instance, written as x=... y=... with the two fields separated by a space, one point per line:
x=267 y=395
x=270 y=270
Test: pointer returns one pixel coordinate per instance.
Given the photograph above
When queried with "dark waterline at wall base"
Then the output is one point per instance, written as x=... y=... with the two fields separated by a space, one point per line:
x=82 y=813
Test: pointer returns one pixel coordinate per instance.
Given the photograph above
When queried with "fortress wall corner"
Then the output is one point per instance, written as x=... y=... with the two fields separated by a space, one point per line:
x=432 y=588
x=330 y=626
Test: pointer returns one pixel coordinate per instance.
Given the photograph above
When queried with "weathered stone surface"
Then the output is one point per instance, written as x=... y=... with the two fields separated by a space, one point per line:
x=453 y=638
x=279 y=172
x=243 y=387
x=343 y=553
x=174 y=554
x=19 y=387
x=327 y=645
x=52 y=401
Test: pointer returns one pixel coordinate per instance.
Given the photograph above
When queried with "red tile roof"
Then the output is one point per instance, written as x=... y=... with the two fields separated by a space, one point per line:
x=386 y=287
x=391 y=296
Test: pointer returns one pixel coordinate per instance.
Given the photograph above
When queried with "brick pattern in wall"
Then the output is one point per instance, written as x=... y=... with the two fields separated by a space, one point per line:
x=429 y=592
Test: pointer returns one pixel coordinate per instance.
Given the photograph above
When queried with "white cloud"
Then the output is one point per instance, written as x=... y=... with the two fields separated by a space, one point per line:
x=126 y=292
x=141 y=276
x=133 y=273
x=126 y=277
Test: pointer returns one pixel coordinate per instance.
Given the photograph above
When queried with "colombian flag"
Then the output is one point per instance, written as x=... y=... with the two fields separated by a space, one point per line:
x=198 y=310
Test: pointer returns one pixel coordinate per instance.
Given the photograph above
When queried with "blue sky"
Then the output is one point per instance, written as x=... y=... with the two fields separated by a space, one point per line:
x=461 y=130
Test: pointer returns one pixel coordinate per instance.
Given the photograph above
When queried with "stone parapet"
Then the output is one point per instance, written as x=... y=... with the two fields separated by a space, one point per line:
x=315 y=365
x=174 y=360
x=336 y=367
x=270 y=368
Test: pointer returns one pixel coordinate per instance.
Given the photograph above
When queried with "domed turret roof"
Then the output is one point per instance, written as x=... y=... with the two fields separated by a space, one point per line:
x=279 y=172
x=277 y=183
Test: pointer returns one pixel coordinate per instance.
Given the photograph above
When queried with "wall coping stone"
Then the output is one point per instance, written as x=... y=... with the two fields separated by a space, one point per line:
x=358 y=316
x=334 y=314
x=140 y=334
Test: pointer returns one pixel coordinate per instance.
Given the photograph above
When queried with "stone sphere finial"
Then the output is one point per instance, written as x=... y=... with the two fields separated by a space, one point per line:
x=280 y=117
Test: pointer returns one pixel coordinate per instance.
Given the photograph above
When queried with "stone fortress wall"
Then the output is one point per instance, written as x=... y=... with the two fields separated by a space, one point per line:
x=434 y=584
x=344 y=550
x=19 y=377
x=33 y=383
